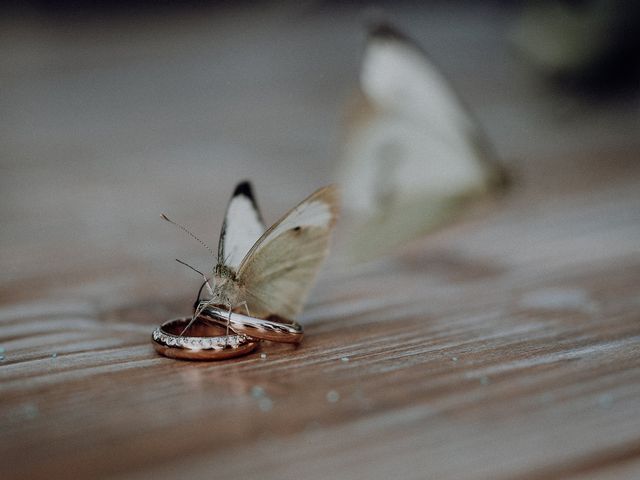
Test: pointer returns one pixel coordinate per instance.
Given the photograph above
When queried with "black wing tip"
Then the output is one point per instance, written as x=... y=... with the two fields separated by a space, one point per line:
x=244 y=188
x=379 y=28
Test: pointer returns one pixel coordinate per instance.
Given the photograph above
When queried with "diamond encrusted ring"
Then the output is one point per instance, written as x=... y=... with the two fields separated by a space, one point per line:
x=206 y=341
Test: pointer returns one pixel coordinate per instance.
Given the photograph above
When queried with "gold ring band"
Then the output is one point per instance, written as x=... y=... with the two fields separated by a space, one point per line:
x=280 y=330
x=208 y=343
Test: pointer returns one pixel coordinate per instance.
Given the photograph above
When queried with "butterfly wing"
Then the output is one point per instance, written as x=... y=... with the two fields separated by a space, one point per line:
x=413 y=153
x=279 y=270
x=241 y=228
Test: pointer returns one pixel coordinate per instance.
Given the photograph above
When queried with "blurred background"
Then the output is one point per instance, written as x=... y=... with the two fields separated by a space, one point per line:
x=113 y=112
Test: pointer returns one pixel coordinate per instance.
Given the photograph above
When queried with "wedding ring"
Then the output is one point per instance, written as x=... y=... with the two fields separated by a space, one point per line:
x=205 y=342
x=275 y=329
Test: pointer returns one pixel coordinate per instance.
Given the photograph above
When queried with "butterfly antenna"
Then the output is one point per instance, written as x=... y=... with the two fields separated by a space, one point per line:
x=206 y=280
x=188 y=232
x=192 y=268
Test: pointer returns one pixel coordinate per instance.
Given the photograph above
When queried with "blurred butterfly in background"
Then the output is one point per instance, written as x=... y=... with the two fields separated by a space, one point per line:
x=269 y=272
x=414 y=157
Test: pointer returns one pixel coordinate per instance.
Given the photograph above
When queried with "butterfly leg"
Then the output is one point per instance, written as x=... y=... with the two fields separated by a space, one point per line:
x=246 y=307
x=231 y=311
x=226 y=338
x=196 y=314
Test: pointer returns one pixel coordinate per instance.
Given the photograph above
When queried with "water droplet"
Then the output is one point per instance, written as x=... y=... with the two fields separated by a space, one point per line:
x=333 y=396
x=30 y=410
x=263 y=356
x=605 y=401
x=257 y=391
x=547 y=397
x=265 y=404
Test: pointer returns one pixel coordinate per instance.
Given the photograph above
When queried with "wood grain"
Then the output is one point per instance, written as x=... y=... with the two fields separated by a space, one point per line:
x=507 y=347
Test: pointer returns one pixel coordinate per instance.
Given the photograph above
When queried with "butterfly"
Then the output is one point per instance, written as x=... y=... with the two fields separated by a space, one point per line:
x=413 y=155
x=270 y=271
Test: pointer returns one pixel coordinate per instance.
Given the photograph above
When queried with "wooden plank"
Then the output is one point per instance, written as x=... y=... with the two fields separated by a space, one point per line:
x=506 y=347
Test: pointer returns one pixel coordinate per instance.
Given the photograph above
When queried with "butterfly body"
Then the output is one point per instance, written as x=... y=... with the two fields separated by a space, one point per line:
x=226 y=289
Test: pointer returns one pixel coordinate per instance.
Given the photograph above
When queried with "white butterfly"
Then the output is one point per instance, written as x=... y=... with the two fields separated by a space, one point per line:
x=270 y=271
x=413 y=153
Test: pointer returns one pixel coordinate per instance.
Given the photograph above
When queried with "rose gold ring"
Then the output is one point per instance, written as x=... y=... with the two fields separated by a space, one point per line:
x=205 y=342
x=275 y=329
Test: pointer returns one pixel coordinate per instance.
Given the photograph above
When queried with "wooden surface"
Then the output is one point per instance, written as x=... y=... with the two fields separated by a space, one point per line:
x=508 y=347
